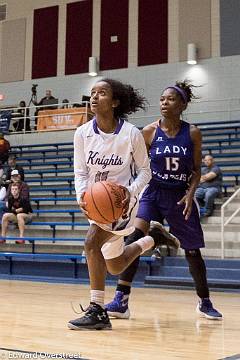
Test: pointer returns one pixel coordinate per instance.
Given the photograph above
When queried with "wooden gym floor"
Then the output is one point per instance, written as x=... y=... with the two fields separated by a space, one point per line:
x=164 y=325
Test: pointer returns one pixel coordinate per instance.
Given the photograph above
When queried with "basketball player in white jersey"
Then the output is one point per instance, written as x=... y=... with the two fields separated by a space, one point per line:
x=110 y=148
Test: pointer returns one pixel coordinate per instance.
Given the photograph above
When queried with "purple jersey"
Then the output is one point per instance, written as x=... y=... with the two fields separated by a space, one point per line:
x=172 y=158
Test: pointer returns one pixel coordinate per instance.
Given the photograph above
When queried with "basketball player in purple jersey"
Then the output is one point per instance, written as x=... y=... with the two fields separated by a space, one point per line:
x=110 y=148
x=175 y=153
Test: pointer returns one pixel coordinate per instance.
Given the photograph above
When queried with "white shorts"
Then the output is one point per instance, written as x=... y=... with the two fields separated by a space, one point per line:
x=113 y=248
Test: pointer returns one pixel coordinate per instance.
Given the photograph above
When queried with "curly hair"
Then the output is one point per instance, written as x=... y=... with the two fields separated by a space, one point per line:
x=130 y=99
x=187 y=87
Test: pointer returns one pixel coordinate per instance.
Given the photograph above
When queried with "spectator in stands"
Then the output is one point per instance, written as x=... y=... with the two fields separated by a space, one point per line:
x=210 y=185
x=46 y=100
x=4 y=152
x=65 y=104
x=22 y=119
x=85 y=101
x=19 y=211
x=12 y=165
x=3 y=193
x=16 y=178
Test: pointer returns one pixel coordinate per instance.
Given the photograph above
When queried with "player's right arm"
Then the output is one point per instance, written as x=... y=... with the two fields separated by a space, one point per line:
x=80 y=167
x=149 y=133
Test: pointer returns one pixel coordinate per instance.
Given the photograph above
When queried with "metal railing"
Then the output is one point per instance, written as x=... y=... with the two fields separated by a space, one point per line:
x=225 y=223
x=197 y=111
x=31 y=112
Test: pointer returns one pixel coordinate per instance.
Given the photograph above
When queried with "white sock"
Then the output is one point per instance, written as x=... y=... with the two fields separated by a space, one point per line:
x=145 y=243
x=97 y=296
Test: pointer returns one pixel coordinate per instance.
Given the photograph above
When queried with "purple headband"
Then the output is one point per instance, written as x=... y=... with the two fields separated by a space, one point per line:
x=180 y=91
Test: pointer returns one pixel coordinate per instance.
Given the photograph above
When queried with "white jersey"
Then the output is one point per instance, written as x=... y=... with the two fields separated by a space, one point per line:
x=120 y=157
x=116 y=157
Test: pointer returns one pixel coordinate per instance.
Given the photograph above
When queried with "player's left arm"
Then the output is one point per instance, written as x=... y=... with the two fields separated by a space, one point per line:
x=196 y=137
x=141 y=162
x=80 y=167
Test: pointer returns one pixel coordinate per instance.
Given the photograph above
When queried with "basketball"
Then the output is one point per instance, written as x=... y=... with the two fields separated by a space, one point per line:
x=104 y=202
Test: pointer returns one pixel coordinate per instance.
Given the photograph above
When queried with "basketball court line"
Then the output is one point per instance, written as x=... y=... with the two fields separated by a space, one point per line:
x=233 y=357
x=6 y=353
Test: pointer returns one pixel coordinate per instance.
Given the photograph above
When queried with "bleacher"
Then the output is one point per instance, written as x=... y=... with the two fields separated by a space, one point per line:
x=58 y=226
x=57 y=232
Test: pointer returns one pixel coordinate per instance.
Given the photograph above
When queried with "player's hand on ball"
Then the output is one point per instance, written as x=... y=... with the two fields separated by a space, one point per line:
x=125 y=201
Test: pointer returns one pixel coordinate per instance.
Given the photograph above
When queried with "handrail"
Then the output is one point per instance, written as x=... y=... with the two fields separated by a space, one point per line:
x=193 y=113
x=224 y=223
x=30 y=112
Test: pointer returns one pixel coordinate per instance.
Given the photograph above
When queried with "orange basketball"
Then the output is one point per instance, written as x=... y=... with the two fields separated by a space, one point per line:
x=104 y=202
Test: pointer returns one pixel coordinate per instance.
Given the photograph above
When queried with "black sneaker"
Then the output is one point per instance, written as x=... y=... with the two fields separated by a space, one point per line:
x=95 y=318
x=161 y=236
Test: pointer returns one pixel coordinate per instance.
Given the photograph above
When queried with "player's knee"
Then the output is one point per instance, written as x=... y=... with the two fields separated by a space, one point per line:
x=90 y=244
x=192 y=253
x=114 y=268
x=194 y=258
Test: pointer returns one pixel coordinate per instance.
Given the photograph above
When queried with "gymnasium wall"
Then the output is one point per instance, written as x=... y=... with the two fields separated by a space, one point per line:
x=185 y=20
x=12 y=54
x=195 y=27
x=120 y=33
x=230 y=27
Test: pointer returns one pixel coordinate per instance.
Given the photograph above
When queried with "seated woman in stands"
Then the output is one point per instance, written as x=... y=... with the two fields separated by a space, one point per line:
x=3 y=193
x=19 y=211
x=22 y=119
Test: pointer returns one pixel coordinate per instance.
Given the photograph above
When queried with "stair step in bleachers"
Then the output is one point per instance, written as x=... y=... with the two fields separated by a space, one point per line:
x=45 y=164
x=48 y=191
x=217 y=123
x=174 y=273
x=44 y=172
x=22 y=147
x=49 y=173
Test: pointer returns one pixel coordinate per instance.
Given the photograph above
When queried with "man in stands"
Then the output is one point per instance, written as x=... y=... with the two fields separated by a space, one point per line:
x=210 y=185
x=12 y=165
x=19 y=211
x=24 y=188
x=46 y=103
x=45 y=100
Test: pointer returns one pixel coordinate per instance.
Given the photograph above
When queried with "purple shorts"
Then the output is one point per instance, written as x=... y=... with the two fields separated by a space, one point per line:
x=157 y=204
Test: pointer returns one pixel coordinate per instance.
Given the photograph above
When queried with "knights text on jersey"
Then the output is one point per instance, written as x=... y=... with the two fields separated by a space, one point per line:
x=115 y=157
x=172 y=158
